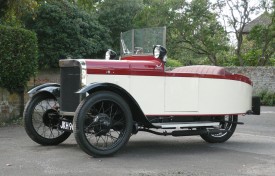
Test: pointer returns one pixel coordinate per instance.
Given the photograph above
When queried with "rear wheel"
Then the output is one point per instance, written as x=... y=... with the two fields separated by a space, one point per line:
x=41 y=119
x=102 y=123
x=229 y=125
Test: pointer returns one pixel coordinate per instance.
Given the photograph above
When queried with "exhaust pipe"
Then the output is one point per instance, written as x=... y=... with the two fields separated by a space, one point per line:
x=197 y=132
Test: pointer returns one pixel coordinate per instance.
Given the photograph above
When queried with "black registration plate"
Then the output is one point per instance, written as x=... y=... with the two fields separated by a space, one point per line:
x=66 y=125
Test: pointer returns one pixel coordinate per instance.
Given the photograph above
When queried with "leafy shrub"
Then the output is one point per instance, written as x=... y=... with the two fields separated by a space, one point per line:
x=18 y=57
x=251 y=58
x=231 y=60
x=64 y=30
x=267 y=98
x=173 y=63
x=272 y=61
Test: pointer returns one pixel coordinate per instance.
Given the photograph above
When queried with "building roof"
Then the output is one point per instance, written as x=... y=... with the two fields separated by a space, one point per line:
x=264 y=19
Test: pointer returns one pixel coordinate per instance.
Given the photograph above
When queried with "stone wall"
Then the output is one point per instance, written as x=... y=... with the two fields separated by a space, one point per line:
x=262 y=77
x=9 y=105
x=45 y=76
x=10 y=102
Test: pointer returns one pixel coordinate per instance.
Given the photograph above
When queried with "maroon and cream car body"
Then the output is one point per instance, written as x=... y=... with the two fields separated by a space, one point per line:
x=104 y=102
x=184 y=91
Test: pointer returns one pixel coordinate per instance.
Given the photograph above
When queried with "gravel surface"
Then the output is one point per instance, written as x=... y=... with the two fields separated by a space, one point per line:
x=249 y=152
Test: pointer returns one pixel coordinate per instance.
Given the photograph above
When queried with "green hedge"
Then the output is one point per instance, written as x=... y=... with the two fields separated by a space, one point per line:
x=267 y=97
x=18 y=57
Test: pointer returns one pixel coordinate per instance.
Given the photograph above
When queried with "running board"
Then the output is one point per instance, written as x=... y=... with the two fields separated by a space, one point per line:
x=180 y=125
x=186 y=132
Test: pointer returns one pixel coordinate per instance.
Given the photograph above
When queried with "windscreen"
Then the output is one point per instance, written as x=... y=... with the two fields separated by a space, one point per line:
x=141 y=41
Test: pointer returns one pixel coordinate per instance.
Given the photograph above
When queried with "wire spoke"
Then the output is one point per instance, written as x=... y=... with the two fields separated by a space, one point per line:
x=102 y=108
x=104 y=124
x=44 y=119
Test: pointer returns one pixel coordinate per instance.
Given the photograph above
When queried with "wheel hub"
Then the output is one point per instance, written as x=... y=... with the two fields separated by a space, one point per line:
x=51 y=118
x=103 y=122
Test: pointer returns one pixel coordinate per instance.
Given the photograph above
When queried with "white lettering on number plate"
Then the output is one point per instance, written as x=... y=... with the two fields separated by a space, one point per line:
x=66 y=126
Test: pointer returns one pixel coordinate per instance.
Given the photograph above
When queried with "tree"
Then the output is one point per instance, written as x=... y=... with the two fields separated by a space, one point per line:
x=197 y=29
x=18 y=59
x=191 y=27
x=64 y=30
x=12 y=11
x=87 y=5
x=118 y=17
x=239 y=16
x=156 y=13
x=263 y=37
x=3 y=7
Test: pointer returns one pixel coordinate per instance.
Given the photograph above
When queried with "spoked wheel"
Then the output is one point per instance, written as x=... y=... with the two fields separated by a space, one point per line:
x=103 y=123
x=229 y=125
x=41 y=119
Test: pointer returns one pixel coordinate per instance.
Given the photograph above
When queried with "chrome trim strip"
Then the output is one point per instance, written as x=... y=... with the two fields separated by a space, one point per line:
x=186 y=124
x=67 y=113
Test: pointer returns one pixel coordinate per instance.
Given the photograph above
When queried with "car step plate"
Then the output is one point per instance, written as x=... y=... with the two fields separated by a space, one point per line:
x=186 y=125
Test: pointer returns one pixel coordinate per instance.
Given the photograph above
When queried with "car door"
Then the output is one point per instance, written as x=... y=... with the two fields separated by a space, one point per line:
x=181 y=94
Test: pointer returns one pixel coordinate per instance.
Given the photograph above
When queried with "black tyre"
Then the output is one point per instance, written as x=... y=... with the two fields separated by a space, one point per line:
x=229 y=125
x=41 y=119
x=102 y=124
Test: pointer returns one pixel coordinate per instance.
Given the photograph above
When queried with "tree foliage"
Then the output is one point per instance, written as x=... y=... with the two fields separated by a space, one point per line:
x=195 y=35
x=157 y=13
x=12 y=11
x=18 y=57
x=3 y=7
x=190 y=26
x=87 y=5
x=239 y=16
x=118 y=17
x=64 y=31
x=263 y=37
x=198 y=30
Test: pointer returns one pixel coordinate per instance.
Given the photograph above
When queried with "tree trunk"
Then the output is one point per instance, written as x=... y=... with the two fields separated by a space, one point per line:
x=213 y=59
x=238 y=51
x=21 y=102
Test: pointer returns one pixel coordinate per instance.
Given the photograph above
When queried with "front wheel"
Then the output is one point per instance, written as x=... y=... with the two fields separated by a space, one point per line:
x=229 y=124
x=102 y=123
x=41 y=119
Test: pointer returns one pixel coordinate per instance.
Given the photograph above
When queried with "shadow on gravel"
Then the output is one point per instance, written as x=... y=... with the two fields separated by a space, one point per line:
x=41 y=148
x=148 y=146
x=158 y=148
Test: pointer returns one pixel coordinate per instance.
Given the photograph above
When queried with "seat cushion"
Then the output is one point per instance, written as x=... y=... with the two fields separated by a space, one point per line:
x=202 y=69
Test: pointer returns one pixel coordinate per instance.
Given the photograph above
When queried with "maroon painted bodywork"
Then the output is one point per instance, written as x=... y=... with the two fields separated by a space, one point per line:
x=149 y=66
x=132 y=65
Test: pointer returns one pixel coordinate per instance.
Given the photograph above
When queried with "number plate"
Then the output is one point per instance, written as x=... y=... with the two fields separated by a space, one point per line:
x=66 y=125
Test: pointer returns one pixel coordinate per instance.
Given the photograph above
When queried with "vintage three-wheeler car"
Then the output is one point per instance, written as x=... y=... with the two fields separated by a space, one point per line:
x=105 y=101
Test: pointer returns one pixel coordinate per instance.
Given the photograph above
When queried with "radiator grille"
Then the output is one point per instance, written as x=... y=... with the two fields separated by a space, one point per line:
x=70 y=83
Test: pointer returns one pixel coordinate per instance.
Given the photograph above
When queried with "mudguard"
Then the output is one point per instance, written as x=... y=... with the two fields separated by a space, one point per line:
x=52 y=88
x=137 y=113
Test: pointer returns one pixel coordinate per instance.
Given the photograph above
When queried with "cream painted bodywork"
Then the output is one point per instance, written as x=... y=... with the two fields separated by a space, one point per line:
x=157 y=95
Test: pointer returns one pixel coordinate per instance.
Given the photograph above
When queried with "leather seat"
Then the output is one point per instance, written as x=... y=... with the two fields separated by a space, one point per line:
x=202 y=69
